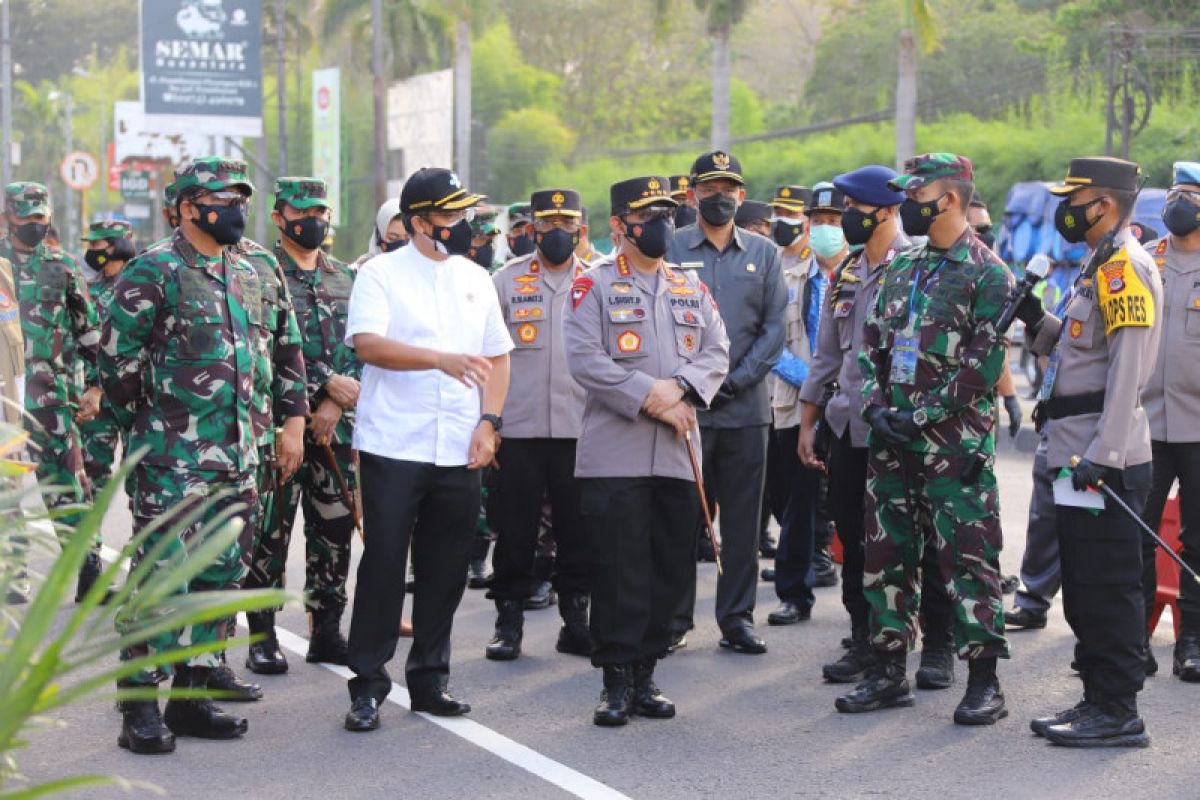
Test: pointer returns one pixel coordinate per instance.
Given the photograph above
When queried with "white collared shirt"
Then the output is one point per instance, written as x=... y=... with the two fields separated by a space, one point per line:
x=426 y=415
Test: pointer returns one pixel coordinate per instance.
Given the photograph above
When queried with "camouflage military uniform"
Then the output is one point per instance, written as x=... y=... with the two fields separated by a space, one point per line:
x=960 y=355
x=178 y=362
x=59 y=324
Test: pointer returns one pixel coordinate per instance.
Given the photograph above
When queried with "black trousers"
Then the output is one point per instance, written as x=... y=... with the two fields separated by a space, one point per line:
x=533 y=468
x=734 y=472
x=847 y=505
x=777 y=485
x=1102 y=586
x=641 y=537
x=1175 y=461
x=794 y=562
x=435 y=509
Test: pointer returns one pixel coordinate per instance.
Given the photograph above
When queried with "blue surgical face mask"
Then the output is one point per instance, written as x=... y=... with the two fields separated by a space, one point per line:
x=826 y=240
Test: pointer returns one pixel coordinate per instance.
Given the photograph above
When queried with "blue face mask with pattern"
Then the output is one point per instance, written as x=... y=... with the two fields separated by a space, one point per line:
x=826 y=240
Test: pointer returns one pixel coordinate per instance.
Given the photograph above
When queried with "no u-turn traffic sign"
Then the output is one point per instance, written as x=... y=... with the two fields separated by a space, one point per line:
x=80 y=170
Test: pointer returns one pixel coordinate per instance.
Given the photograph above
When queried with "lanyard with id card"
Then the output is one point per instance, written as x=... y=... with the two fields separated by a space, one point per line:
x=907 y=345
x=1051 y=374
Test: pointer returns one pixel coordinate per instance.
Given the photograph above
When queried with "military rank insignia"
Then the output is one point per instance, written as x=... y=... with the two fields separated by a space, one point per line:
x=1075 y=329
x=629 y=342
x=689 y=342
x=527 y=333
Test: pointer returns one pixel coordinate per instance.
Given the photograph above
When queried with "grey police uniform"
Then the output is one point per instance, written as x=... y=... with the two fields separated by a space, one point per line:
x=623 y=331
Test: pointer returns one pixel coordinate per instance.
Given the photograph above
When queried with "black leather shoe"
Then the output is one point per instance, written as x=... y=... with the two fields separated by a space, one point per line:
x=363 y=715
x=143 y=730
x=983 y=703
x=1024 y=619
x=1039 y=725
x=200 y=717
x=543 y=597
x=854 y=664
x=326 y=645
x=648 y=701
x=1186 y=662
x=936 y=670
x=440 y=704
x=768 y=575
x=510 y=629
x=265 y=656
x=768 y=548
x=616 y=701
x=678 y=642
x=1106 y=724
x=232 y=688
x=789 y=614
x=89 y=573
x=477 y=575
x=743 y=640
x=885 y=687
x=574 y=638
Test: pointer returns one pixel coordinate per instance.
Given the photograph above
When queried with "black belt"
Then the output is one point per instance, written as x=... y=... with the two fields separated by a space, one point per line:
x=1073 y=405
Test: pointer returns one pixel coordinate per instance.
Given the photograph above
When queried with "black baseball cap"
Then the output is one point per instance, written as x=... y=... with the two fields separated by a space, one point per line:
x=435 y=189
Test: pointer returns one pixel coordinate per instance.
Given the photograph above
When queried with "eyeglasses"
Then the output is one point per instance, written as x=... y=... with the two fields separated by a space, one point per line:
x=1186 y=194
x=455 y=217
x=643 y=215
x=547 y=224
x=224 y=198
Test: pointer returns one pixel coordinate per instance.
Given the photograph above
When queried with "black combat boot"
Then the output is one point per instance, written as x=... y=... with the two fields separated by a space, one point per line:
x=1110 y=721
x=543 y=596
x=199 y=717
x=1024 y=619
x=265 y=656
x=88 y=575
x=142 y=728
x=1080 y=709
x=1187 y=658
x=936 y=670
x=326 y=644
x=852 y=667
x=648 y=700
x=229 y=687
x=616 y=701
x=824 y=571
x=575 y=637
x=983 y=704
x=510 y=628
x=885 y=687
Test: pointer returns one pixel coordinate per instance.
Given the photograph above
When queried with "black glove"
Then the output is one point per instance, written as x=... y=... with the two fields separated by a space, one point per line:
x=1030 y=311
x=1013 y=406
x=1086 y=474
x=879 y=419
x=727 y=392
x=903 y=425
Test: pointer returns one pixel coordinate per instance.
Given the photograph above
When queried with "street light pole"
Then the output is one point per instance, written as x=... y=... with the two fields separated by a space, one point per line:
x=281 y=90
x=69 y=140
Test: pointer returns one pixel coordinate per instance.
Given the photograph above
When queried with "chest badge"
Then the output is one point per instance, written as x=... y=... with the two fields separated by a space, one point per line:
x=629 y=342
x=528 y=313
x=527 y=333
x=689 y=342
x=1075 y=329
x=621 y=287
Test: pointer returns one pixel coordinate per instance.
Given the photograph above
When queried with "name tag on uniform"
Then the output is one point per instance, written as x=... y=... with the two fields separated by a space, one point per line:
x=751 y=268
x=904 y=362
x=692 y=265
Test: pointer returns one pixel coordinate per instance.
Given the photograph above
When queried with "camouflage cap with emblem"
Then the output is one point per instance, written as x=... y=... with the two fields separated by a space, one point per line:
x=26 y=199
x=638 y=193
x=519 y=214
x=551 y=202
x=484 y=223
x=717 y=165
x=679 y=186
x=929 y=167
x=108 y=229
x=213 y=174
x=793 y=198
x=302 y=193
x=1099 y=172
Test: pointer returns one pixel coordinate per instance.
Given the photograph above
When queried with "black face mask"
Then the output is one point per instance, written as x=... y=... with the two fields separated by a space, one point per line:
x=718 y=209
x=308 y=232
x=785 y=232
x=650 y=238
x=482 y=255
x=684 y=216
x=858 y=226
x=557 y=245
x=917 y=217
x=984 y=234
x=391 y=247
x=1181 y=216
x=455 y=238
x=225 y=224
x=96 y=259
x=1072 y=222
x=522 y=245
x=31 y=233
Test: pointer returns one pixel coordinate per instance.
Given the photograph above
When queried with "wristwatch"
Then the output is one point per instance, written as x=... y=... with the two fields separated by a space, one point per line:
x=497 y=423
x=683 y=384
x=920 y=417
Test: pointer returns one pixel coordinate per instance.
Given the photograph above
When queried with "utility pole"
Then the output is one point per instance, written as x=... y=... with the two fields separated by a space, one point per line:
x=7 y=77
x=462 y=99
x=380 y=120
x=281 y=89
x=68 y=233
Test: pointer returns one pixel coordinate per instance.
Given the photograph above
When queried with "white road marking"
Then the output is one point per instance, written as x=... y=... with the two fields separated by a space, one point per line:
x=515 y=753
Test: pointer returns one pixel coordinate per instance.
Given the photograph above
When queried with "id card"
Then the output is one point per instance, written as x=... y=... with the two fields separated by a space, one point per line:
x=1051 y=374
x=904 y=362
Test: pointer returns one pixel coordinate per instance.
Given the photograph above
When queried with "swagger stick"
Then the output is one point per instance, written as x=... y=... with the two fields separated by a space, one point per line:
x=347 y=498
x=712 y=534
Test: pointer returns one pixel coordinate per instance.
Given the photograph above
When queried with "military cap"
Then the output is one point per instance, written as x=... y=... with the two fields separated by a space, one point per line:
x=976 y=200
x=170 y=195
x=636 y=193
x=1099 y=172
x=1186 y=172
x=484 y=223
x=827 y=197
x=519 y=214
x=213 y=174
x=793 y=198
x=717 y=164
x=871 y=185
x=548 y=202
x=435 y=189
x=679 y=186
x=923 y=169
x=26 y=199
x=108 y=229
x=302 y=193
x=752 y=211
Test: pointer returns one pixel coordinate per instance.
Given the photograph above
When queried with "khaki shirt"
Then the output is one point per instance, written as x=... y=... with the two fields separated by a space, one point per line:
x=623 y=331
x=1107 y=342
x=12 y=347
x=1172 y=396
x=544 y=401
x=851 y=297
x=785 y=398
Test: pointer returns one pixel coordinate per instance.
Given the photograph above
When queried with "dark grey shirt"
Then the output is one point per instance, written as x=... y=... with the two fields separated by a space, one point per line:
x=746 y=281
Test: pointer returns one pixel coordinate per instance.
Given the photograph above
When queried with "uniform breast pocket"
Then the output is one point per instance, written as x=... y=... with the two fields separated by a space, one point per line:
x=1082 y=324
x=626 y=337
x=689 y=331
x=527 y=335
x=843 y=318
x=201 y=338
x=1191 y=325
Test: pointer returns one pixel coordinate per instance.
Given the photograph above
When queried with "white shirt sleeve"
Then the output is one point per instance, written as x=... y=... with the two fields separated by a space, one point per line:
x=370 y=311
x=496 y=341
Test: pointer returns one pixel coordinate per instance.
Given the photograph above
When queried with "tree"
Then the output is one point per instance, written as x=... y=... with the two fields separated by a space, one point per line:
x=721 y=17
x=526 y=141
x=917 y=23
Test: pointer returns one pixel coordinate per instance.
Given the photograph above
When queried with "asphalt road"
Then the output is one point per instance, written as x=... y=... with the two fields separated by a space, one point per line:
x=748 y=726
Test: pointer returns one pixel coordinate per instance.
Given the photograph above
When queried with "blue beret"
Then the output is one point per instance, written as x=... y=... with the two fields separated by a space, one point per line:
x=869 y=185
x=1187 y=172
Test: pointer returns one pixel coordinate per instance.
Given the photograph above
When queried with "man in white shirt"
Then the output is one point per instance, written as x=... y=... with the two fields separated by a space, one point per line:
x=427 y=324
